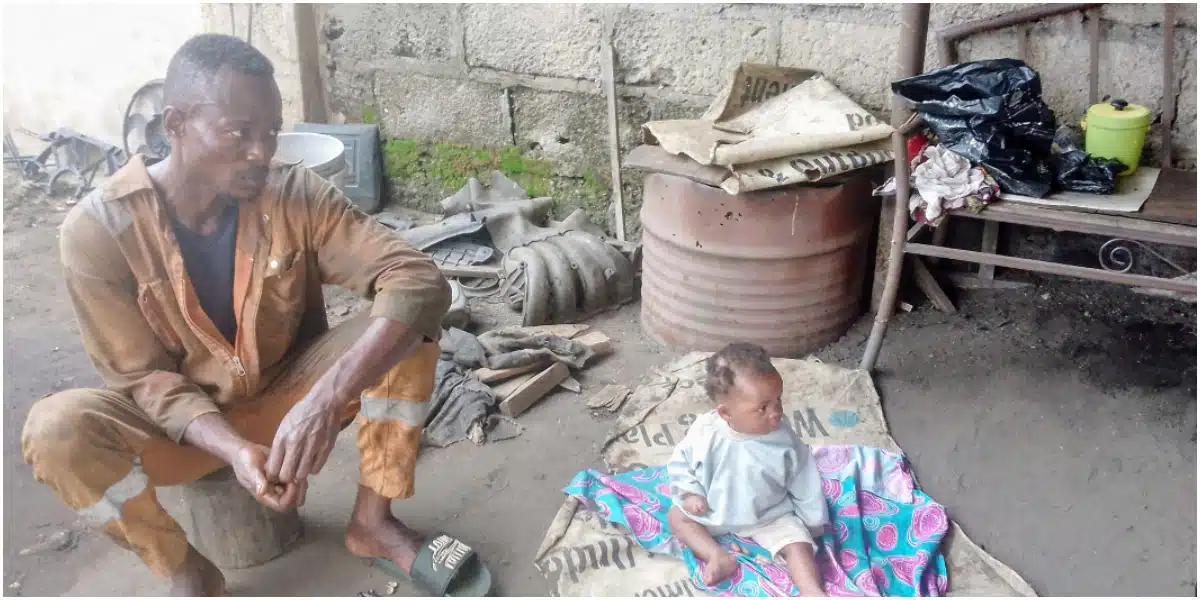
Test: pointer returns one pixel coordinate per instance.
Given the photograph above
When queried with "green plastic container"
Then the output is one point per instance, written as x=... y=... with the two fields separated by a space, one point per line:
x=1117 y=130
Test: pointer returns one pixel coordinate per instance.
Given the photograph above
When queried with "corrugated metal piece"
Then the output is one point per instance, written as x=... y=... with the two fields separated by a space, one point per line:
x=781 y=268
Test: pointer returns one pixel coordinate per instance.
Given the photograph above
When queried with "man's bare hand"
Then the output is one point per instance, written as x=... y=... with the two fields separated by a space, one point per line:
x=249 y=465
x=695 y=504
x=305 y=438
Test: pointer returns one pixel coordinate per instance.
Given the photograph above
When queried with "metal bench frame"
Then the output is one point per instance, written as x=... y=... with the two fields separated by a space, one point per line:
x=1135 y=226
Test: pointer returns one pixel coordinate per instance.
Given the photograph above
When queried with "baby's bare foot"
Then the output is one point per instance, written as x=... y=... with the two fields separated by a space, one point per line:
x=719 y=568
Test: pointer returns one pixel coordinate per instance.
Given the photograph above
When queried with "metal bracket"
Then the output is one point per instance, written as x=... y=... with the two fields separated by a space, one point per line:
x=1117 y=255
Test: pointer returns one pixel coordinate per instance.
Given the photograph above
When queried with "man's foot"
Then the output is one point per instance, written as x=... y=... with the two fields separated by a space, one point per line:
x=198 y=577
x=387 y=538
x=718 y=568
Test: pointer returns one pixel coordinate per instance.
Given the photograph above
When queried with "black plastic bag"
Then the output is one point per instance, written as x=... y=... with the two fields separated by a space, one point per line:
x=1078 y=171
x=990 y=112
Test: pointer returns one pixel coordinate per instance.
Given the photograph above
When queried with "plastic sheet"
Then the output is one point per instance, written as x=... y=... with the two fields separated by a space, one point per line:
x=992 y=113
x=1078 y=171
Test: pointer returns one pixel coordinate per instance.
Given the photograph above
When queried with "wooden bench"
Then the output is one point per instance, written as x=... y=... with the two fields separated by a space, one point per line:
x=1168 y=216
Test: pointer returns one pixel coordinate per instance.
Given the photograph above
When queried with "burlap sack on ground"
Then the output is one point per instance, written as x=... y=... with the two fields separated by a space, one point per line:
x=582 y=555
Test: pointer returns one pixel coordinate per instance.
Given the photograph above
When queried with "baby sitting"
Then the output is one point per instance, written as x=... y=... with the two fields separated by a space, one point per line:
x=741 y=469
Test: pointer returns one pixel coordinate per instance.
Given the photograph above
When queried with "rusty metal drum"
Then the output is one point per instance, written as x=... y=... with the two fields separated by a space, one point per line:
x=780 y=268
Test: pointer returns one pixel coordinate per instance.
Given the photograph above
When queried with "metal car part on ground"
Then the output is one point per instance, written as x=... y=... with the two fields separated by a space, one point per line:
x=562 y=272
x=559 y=272
x=70 y=152
x=458 y=315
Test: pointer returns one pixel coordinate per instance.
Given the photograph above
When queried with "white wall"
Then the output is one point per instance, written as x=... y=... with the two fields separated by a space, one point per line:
x=78 y=65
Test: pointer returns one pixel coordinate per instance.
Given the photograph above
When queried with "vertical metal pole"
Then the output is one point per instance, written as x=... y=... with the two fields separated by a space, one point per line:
x=914 y=29
x=1094 y=57
x=608 y=73
x=1168 y=111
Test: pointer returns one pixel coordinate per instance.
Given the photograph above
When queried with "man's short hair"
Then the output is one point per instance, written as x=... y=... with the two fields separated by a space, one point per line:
x=198 y=61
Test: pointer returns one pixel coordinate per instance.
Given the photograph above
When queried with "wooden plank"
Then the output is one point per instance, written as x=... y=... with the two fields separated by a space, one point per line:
x=568 y=331
x=1082 y=222
x=609 y=396
x=930 y=286
x=939 y=237
x=915 y=230
x=533 y=390
x=494 y=375
x=991 y=241
x=1039 y=266
x=600 y=344
x=608 y=75
x=572 y=385
x=967 y=281
x=504 y=389
x=1173 y=199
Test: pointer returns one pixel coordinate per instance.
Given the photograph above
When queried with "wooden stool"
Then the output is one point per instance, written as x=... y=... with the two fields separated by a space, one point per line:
x=229 y=527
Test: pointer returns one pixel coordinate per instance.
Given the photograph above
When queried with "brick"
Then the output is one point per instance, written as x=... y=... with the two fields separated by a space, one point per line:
x=692 y=55
x=358 y=33
x=444 y=110
x=1147 y=14
x=350 y=93
x=862 y=69
x=558 y=40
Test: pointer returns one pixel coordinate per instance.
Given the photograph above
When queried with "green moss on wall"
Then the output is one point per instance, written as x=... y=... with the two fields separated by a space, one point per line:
x=422 y=173
x=370 y=115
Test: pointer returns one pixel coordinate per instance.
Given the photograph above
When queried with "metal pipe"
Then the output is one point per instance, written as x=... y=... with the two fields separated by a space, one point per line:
x=913 y=30
x=891 y=288
x=1168 y=111
x=1040 y=266
x=1094 y=58
x=951 y=35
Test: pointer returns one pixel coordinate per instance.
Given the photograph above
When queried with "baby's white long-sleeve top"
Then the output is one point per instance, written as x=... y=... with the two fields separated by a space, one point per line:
x=747 y=480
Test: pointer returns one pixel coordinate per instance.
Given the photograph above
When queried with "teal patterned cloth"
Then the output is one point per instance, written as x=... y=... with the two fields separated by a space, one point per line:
x=884 y=536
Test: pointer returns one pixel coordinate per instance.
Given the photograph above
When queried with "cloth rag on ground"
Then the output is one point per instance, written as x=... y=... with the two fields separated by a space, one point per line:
x=462 y=406
x=884 y=537
x=583 y=554
x=508 y=349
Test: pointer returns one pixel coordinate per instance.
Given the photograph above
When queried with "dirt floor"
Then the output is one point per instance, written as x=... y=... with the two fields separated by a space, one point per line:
x=1057 y=423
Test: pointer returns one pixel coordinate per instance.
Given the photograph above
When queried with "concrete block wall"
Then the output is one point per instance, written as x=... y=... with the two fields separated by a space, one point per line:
x=529 y=75
x=272 y=29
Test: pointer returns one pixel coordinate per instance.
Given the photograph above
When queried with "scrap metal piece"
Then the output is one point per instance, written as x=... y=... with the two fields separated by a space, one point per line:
x=457 y=315
x=1117 y=255
x=395 y=221
x=428 y=236
x=475 y=196
x=78 y=155
x=566 y=277
x=562 y=272
x=458 y=253
x=142 y=129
